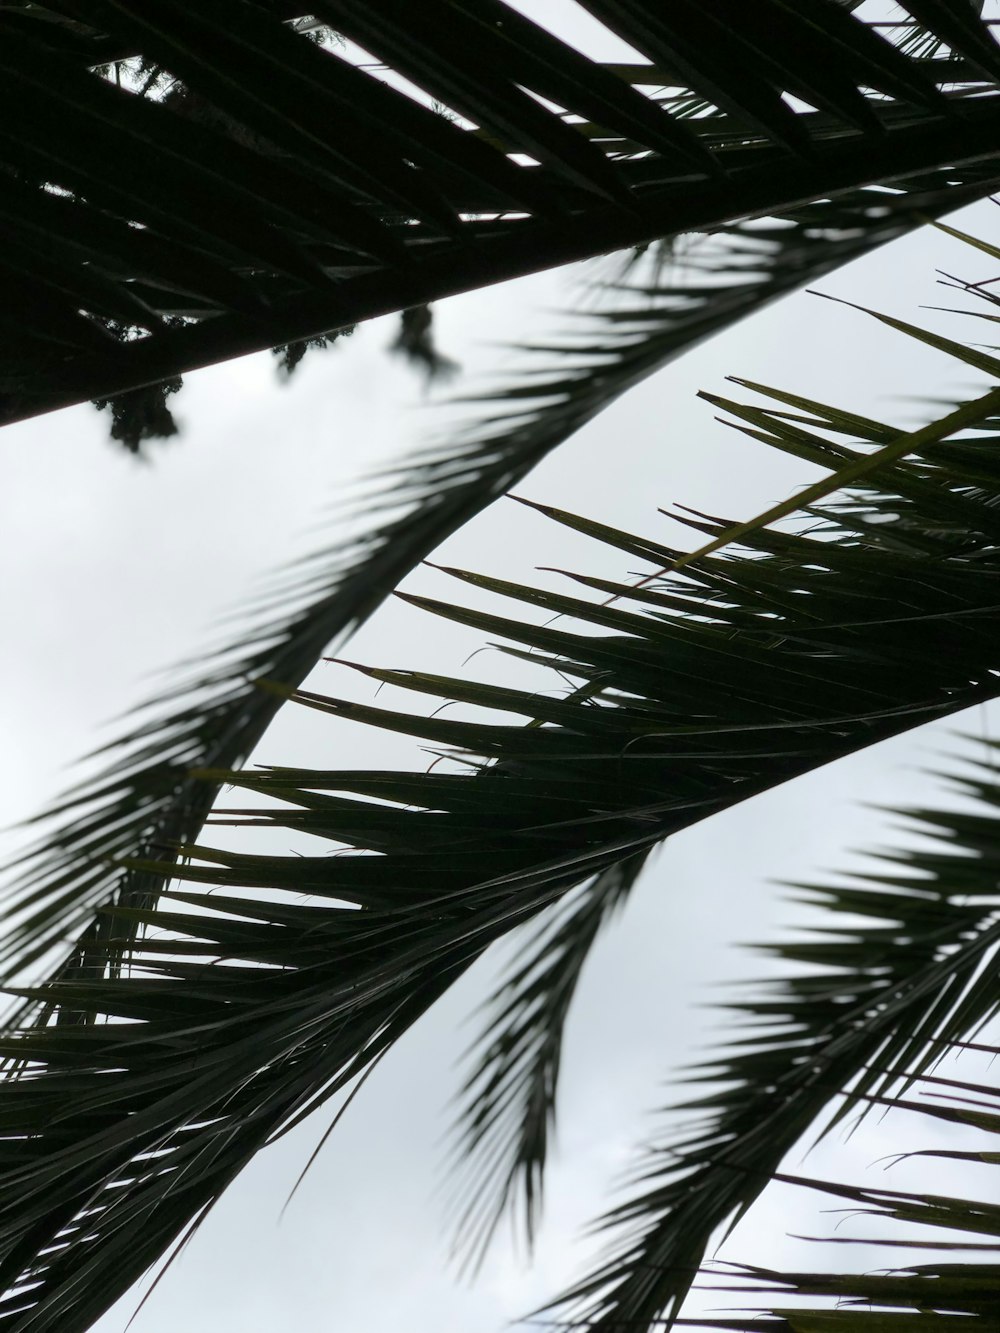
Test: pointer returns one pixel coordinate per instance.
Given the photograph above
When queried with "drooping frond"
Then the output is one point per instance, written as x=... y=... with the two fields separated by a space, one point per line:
x=180 y=261
x=943 y=1250
x=903 y=968
x=508 y=1102
x=261 y=989
x=311 y=192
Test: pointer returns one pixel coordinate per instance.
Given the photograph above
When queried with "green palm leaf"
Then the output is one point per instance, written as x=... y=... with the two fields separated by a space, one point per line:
x=509 y=1099
x=243 y=1010
x=934 y=1296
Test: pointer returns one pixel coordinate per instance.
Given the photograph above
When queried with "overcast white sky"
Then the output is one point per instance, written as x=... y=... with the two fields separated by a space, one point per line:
x=112 y=569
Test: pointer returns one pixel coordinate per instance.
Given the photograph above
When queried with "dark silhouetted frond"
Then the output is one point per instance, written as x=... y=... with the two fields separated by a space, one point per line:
x=296 y=192
x=902 y=970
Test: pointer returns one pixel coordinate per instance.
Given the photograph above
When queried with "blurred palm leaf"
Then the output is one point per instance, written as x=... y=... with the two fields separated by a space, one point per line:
x=509 y=1100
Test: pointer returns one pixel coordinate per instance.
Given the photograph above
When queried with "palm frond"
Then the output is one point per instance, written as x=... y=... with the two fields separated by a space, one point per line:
x=316 y=194
x=260 y=990
x=920 y=1298
x=904 y=971
x=241 y=1010
x=508 y=1102
x=935 y=1296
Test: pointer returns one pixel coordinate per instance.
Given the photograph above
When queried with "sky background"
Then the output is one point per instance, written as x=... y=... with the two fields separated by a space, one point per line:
x=113 y=568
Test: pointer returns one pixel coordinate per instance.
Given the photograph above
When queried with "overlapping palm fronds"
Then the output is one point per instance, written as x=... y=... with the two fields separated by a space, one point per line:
x=249 y=1003
x=509 y=1127
x=215 y=718
x=382 y=211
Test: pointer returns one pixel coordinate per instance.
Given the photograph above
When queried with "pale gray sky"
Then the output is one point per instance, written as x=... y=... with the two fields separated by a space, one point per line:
x=113 y=569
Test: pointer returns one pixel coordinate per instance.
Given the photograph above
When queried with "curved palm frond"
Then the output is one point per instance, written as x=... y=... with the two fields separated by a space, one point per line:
x=248 y=1004
x=910 y=965
x=904 y=970
x=509 y=1099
